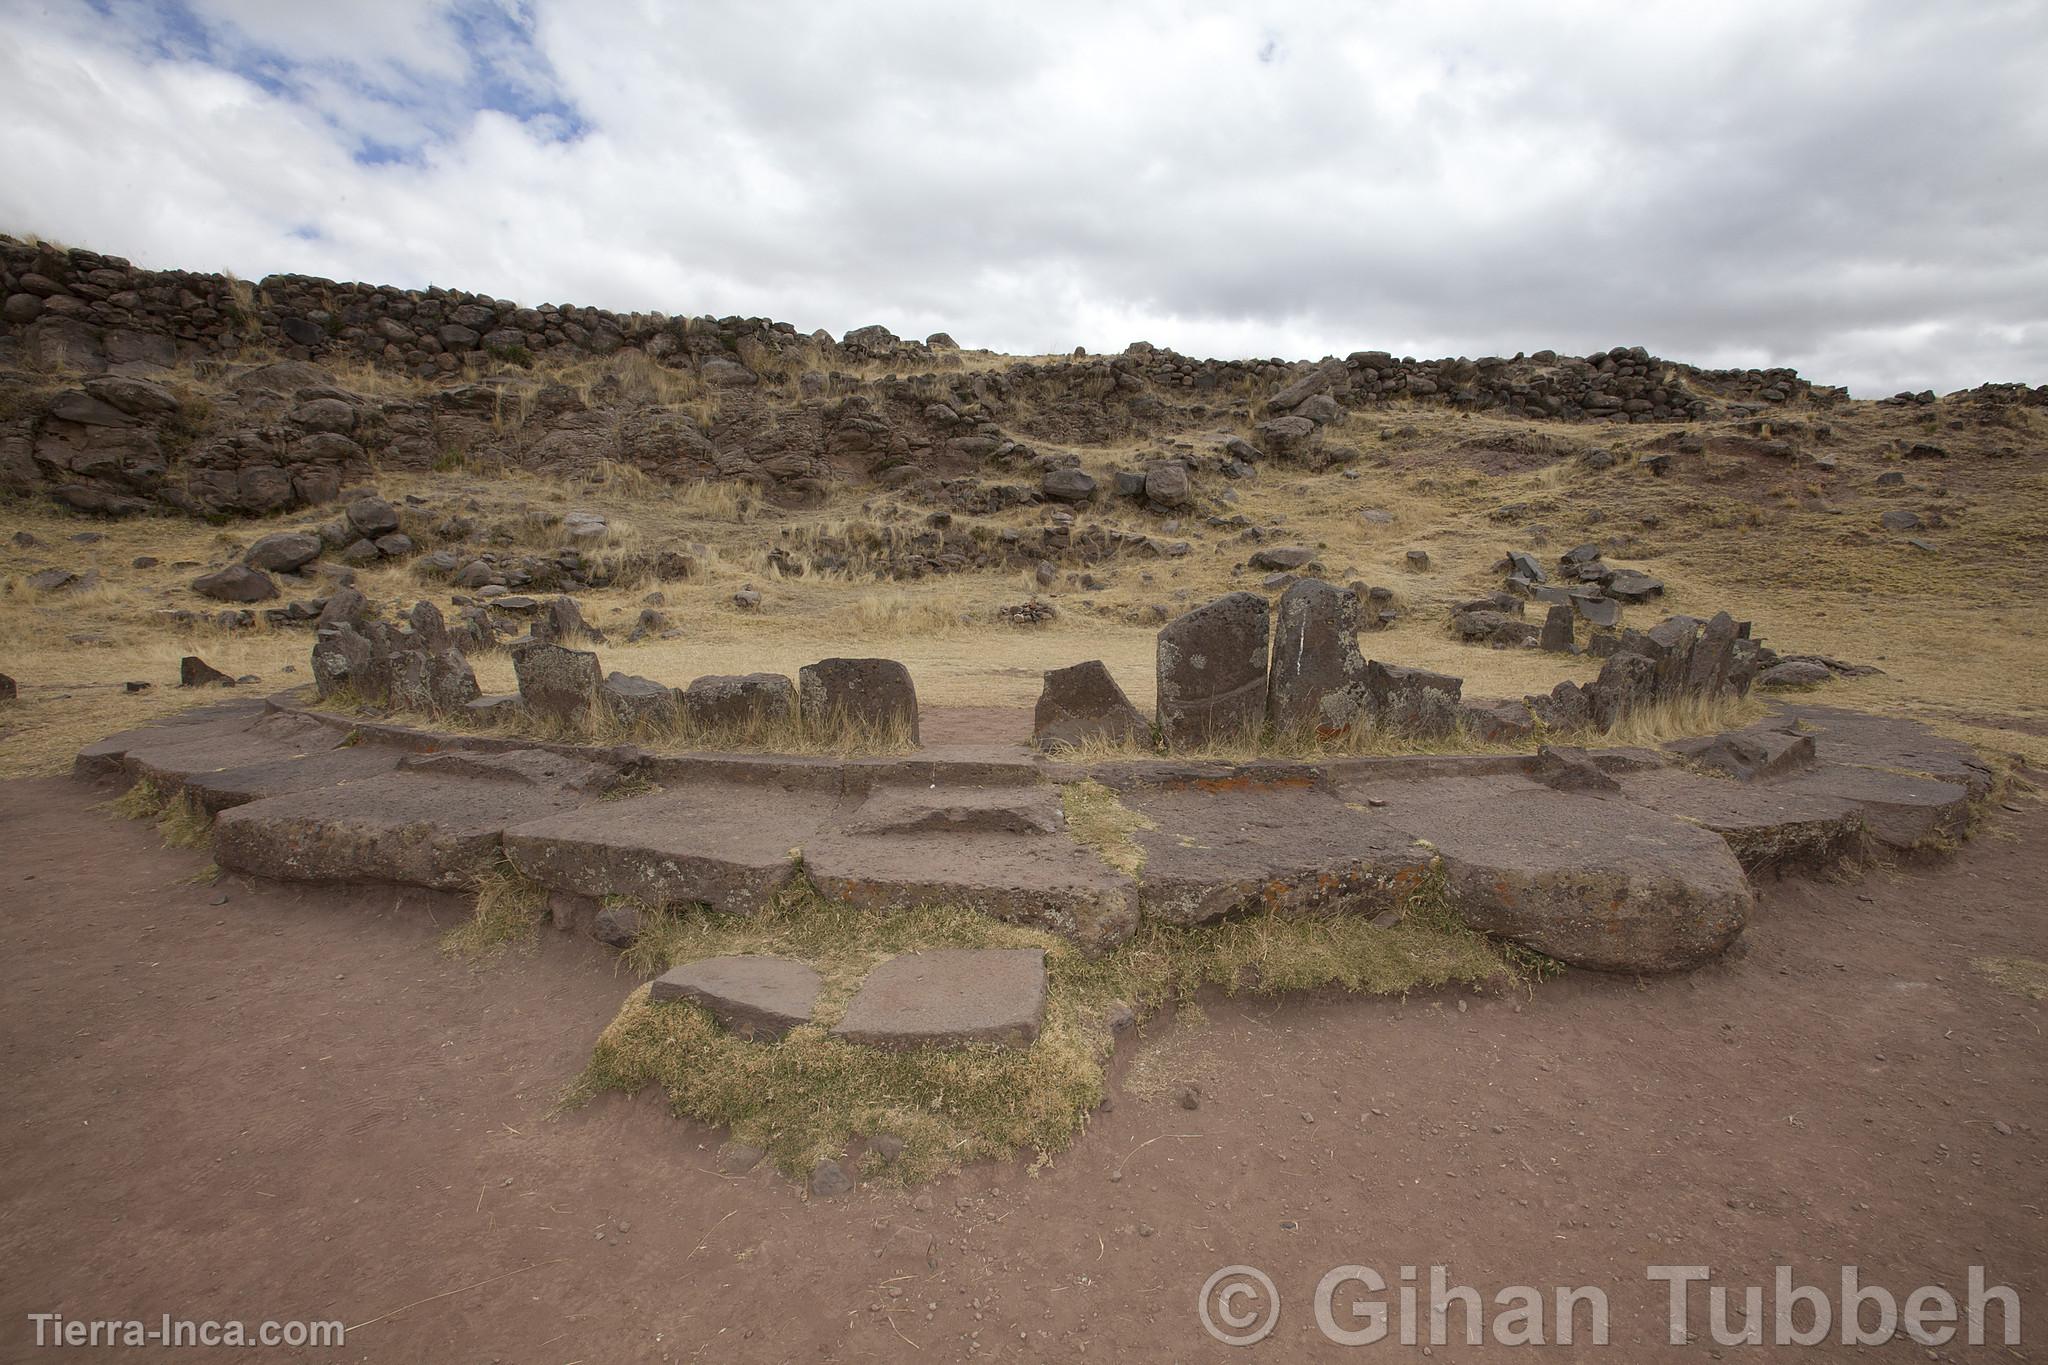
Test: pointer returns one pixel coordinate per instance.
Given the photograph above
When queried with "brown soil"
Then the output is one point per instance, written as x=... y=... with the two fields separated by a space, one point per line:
x=287 y=1104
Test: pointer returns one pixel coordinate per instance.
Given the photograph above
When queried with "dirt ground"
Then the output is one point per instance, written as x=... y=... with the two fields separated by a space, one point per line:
x=251 y=1102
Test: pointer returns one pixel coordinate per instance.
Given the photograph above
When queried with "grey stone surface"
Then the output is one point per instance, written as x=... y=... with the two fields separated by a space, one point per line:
x=283 y=551
x=1557 y=629
x=640 y=703
x=950 y=997
x=752 y=994
x=236 y=583
x=1212 y=671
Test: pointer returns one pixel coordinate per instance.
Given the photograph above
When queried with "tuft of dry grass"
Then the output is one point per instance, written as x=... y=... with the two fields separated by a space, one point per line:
x=2023 y=976
x=507 y=915
x=1098 y=819
x=809 y=1096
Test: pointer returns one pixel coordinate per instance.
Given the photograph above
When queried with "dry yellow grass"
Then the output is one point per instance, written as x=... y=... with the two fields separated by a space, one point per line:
x=1952 y=632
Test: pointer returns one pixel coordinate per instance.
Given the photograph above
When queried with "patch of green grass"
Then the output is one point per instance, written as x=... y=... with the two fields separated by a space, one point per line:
x=2018 y=975
x=143 y=801
x=508 y=915
x=809 y=1096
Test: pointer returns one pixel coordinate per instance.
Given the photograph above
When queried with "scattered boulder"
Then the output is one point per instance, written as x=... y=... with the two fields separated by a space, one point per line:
x=1282 y=557
x=1212 y=671
x=236 y=583
x=562 y=623
x=1794 y=673
x=1067 y=485
x=1501 y=722
x=194 y=671
x=283 y=552
x=874 y=693
x=755 y=995
x=371 y=517
x=616 y=925
x=9 y=689
x=1082 y=703
x=829 y=1178
x=1167 y=484
x=54 y=580
x=1749 y=755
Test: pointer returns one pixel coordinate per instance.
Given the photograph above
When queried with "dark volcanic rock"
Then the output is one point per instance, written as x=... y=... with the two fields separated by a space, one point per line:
x=1317 y=680
x=1081 y=703
x=555 y=683
x=194 y=671
x=283 y=552
x=876 y=693
x=236 y=583
x=1212 y=671
x=739 y=702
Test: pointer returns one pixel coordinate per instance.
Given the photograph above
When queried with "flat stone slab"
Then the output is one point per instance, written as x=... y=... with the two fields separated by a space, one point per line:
x=1218 y=853
x=1047 y=881
x=219 y=791
x=1889 y=742
x=1903 y=811
x=220 y=721
x=1767 y=827
x=403 y=827
x=727 y=845
x=918 y=810
x=755 y=995
x=950 y=997
x=1593 y=879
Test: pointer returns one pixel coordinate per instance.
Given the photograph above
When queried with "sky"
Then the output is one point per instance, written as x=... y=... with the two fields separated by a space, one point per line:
x=1859 y=190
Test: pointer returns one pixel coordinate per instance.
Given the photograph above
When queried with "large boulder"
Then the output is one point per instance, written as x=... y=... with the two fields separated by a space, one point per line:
x=1082 y=703
x=372 y=517
x=1318 y=676
x=1212 y=671
x=235 y=583
x=1167 y=484
x=1067 y=485
x=875 y=694
x=739 y=703
x=557 y=684
x=284 y=551
x=341 y=658
x=562 y=623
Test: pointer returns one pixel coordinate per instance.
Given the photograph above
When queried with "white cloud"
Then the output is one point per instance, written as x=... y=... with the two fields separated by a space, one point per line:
x=1856 y=190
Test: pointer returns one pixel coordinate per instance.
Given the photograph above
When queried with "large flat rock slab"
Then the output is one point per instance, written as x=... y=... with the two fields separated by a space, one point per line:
x=1768 y=827
x=1903 y=811
x=1223 y=852
x=217 y=721
x=1893 y=743
x=726 y=845
x=950 y=997
x=755 y=995
x=439 y=832
x=229 y=787
x=1595 y=880
x=1044 y=880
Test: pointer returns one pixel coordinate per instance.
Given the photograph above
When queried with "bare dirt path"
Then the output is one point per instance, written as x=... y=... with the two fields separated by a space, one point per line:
x=289 y=1105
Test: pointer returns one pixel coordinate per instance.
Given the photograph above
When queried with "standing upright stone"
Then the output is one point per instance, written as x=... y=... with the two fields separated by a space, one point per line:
x=1212 y=671
x=1557 y=629
x=1081 y=703
x=1318 y=675
x=557 y=684
x=1713 y=658
x=876 y=693
x=341 y=659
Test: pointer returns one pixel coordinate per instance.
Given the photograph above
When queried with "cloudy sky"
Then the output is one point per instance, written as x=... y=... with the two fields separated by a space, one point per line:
x=1859 y=190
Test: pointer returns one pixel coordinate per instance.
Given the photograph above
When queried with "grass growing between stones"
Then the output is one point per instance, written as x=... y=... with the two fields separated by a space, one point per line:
x=181 y=822
x=1098 y=819
x=507 y=915
x=810 y=1096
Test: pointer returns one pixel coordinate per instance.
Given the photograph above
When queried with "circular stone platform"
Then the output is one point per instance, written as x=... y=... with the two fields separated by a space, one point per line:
x=1622 y=859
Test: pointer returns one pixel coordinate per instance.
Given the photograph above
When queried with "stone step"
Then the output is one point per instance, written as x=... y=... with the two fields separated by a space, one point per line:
x=949 y=997
x=755 y=995
x=729 y=846
x=1047 y=881
x=411 y=828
